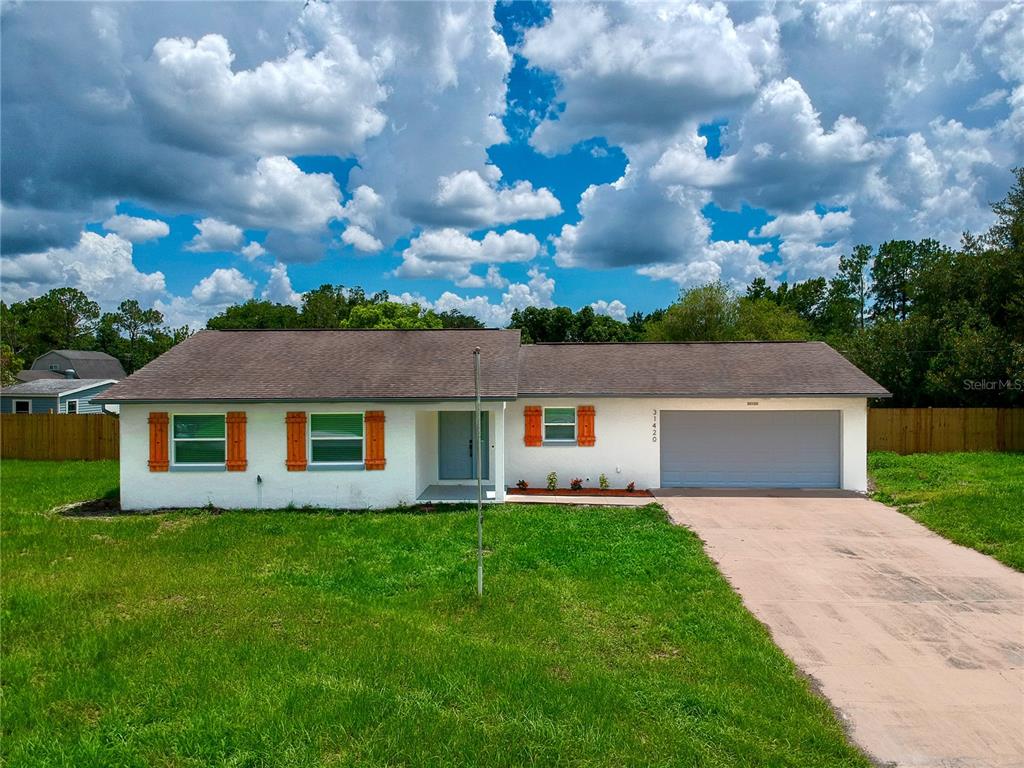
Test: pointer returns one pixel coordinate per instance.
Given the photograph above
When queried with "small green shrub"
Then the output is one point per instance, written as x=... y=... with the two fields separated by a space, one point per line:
x=552 y=481
x=603 y=483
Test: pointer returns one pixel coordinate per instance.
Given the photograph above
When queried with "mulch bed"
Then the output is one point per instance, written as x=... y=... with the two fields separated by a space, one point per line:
x=581 y=492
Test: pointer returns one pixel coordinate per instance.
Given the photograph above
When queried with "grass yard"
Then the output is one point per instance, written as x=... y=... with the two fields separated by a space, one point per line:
x=974 y=499
x=606 y=638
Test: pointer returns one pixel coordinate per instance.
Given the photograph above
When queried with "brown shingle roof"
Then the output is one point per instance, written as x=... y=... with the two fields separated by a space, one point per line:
x=438 y=365
x=326 y=365
x=742 y=369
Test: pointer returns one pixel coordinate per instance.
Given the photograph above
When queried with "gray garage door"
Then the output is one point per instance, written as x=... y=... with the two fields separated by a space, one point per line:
x=741 y=449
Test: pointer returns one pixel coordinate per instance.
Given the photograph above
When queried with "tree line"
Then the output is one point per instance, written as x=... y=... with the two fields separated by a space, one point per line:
x=934 y=325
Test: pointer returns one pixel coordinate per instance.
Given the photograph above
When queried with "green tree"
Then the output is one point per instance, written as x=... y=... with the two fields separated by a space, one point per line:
x=706 y=313
x=895 y=273
x=1008 y=232
x=453 y=318
x=329 y=306
x=255 y=314
x=67 y=318
x=764 y=320
x=136 y=326
x=544 y=324
x=10 y=364
x=391 y=315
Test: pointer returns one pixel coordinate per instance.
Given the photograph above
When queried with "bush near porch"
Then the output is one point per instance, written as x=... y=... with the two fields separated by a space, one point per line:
x=606 y=637
x=974 y=499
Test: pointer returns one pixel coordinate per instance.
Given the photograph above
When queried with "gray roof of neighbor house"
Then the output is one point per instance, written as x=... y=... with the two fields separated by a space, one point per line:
x=294 y=366
x=327 y=365
x=728 y=369
x=87 y=363
x=30 y=375
x=52 y=387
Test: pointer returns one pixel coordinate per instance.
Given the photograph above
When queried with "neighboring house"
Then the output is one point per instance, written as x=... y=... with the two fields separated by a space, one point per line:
x=378 y=418
x=54 y=396
x=73 y=364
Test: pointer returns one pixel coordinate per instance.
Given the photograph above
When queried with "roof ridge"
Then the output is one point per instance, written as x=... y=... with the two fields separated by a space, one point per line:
x=357 y=330
x=674 y=343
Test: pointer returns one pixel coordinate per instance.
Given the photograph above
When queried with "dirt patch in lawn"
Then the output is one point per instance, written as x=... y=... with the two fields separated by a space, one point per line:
x=105 y=507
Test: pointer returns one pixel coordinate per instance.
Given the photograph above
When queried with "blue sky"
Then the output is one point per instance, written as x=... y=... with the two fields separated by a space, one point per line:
x=487 y=158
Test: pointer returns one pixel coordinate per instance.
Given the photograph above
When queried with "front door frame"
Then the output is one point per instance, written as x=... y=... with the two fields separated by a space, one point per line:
x=484 y=441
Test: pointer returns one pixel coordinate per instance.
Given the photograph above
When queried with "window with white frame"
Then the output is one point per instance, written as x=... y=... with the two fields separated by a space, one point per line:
x=23 y=406
x=336 y=438
x=559 y=425
x=72 y=406
x=199 y=439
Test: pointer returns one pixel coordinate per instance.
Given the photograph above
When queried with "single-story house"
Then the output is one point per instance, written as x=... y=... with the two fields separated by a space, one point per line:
x=54 y=396
x=73 y=364
x=354 y=419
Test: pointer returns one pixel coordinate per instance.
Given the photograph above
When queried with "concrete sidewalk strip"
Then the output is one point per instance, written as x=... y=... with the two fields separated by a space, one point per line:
x=917 y=642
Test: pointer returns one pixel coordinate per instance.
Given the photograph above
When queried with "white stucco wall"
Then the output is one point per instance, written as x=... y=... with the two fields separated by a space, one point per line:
x=409 y=452
x=626 y=449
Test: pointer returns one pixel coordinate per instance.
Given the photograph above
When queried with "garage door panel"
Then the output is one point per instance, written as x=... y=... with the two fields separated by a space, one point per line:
x=735 y=449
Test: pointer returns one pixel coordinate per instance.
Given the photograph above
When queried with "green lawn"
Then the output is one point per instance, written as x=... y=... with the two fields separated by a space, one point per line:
x=974 y=499
x=299 y=639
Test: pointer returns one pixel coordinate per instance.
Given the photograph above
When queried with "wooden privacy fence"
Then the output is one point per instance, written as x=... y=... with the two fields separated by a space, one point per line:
x=58 y=437
x=941 y=430
x=91 y=436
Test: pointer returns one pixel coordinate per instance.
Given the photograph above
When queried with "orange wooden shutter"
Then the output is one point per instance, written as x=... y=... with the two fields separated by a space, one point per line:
x=296 y=421
x=236 y=461
x=158 y=442
x=374 y=424
x=532 y=435
x=585 y=425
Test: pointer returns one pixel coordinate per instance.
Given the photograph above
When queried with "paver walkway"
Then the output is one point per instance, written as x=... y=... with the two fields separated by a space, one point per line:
x=917 y=642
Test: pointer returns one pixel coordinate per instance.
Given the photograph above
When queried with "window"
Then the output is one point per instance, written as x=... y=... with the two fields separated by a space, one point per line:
x=336 y=438
x=560 y=425
x=54 y=367
x=23 y=406
x=72 y=406
x=199 y=439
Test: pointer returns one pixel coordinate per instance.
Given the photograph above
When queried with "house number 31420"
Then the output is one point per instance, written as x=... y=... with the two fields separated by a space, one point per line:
x=654 y=426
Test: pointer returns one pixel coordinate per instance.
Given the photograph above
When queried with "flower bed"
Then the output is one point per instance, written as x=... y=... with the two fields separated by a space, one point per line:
x=580 y=492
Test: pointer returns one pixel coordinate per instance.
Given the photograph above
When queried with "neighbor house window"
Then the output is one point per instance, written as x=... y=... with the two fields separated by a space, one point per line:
x=23 y=406
x=560 y=425
x=199 y=439
x=336 y=438
x=72 y=406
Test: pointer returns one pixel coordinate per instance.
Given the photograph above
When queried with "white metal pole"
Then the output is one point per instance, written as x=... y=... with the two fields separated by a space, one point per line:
x=478 y=437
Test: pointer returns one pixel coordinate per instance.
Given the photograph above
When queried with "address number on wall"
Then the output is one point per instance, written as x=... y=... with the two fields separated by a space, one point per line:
x=654 y=425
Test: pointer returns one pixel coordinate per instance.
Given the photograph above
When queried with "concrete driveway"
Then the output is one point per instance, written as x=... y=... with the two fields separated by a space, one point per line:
x=917 y=642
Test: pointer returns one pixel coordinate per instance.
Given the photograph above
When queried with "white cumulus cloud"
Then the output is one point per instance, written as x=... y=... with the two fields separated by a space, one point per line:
x=636 y=72
x=222 y=287
x=100 y=266
x=448 y=253
x=215 y=235
x=536 y=292
x=325 y=102
x=135 y=229
x=614 y=308
x=279 y=287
